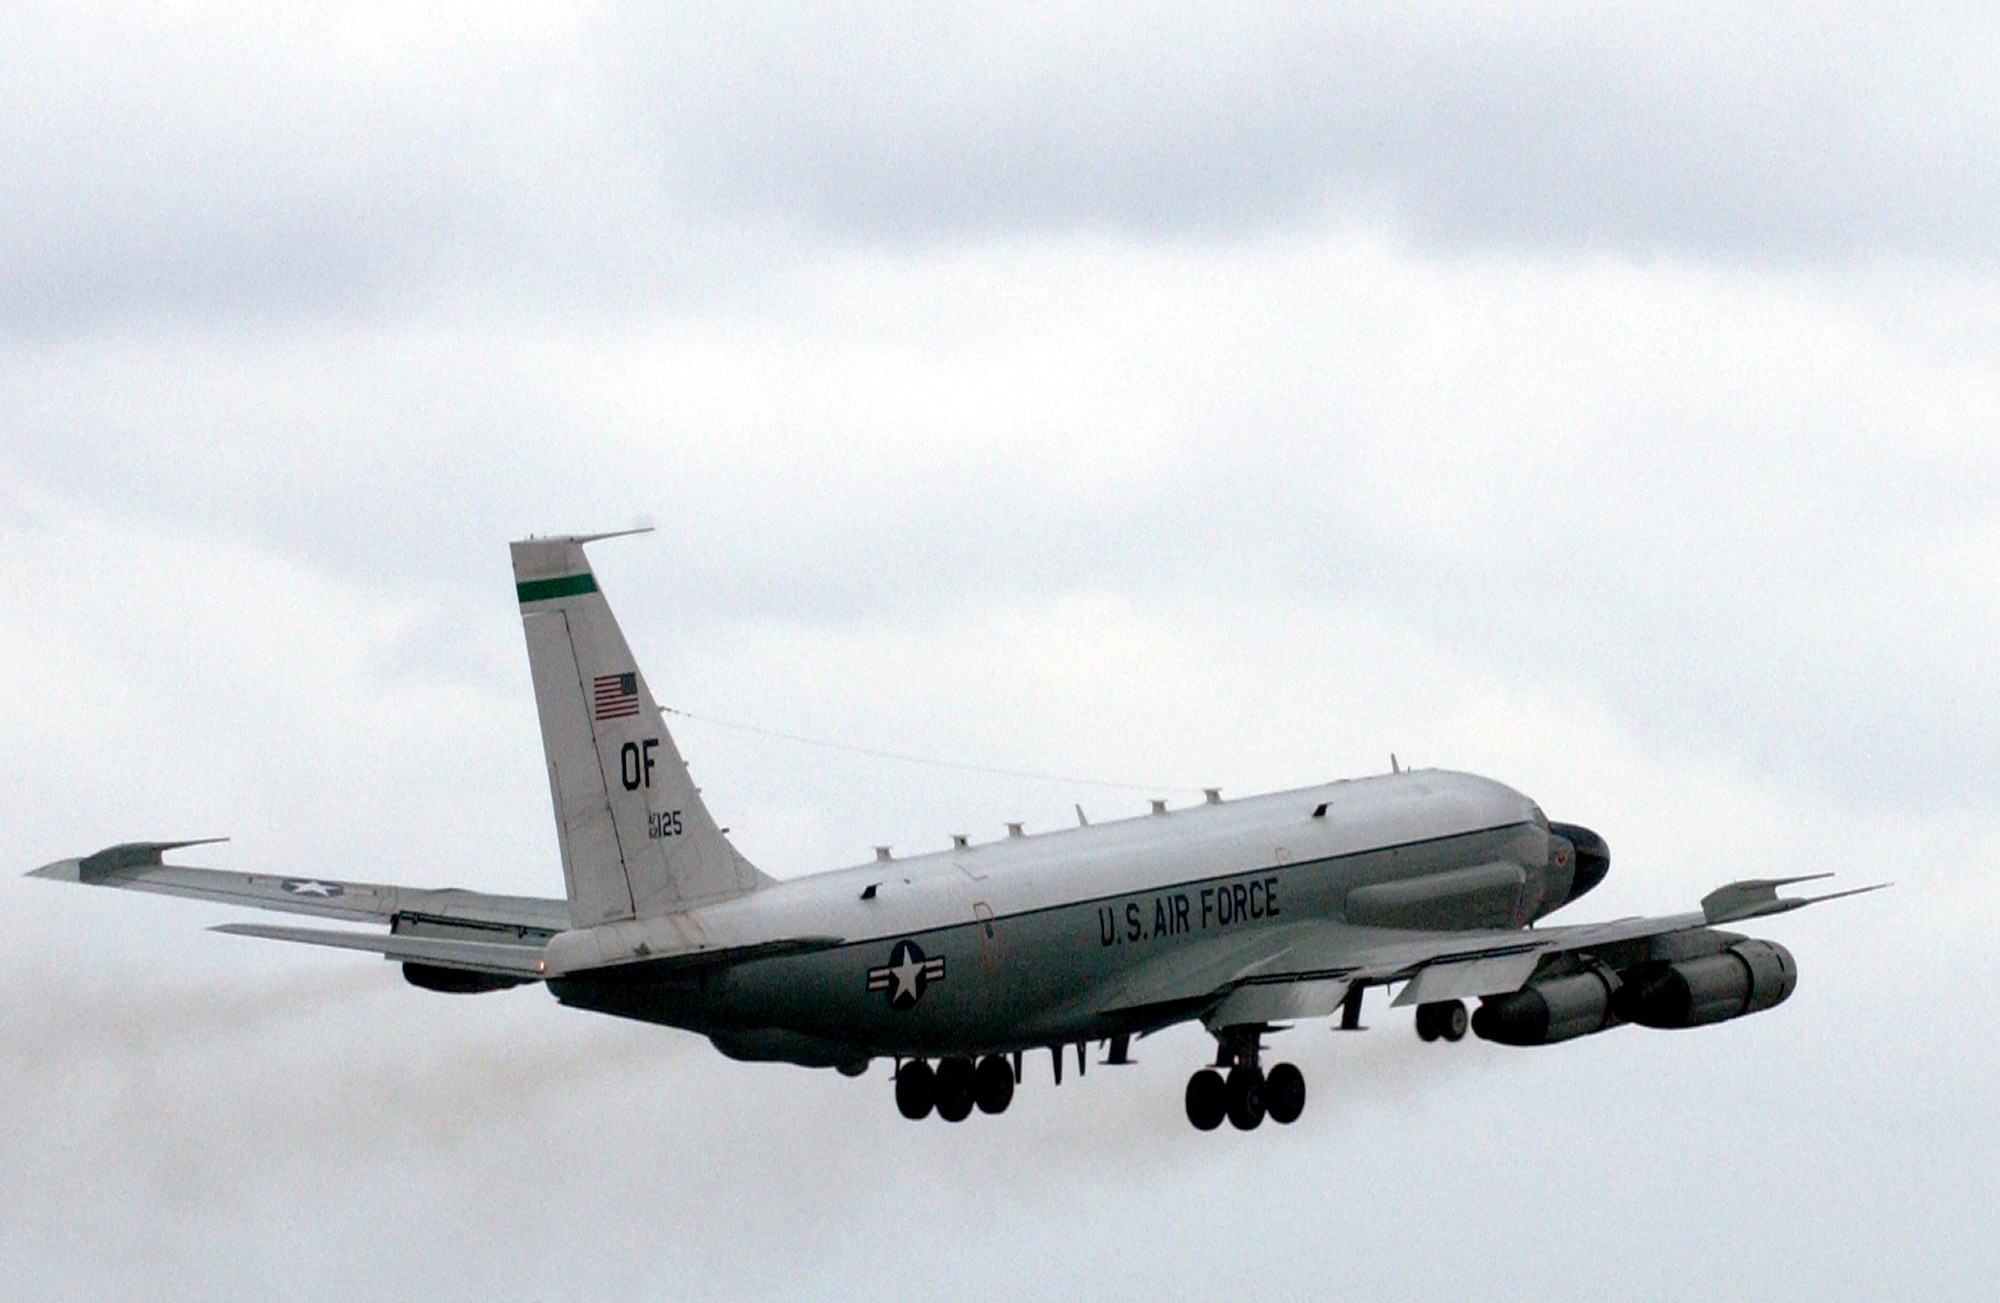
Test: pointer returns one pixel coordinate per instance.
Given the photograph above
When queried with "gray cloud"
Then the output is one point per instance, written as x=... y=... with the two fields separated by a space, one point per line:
x=1753 y=515
x=1788 y=133
x=334 y=161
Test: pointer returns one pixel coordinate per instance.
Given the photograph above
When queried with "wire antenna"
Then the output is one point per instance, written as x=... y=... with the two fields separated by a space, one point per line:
x=931 y=761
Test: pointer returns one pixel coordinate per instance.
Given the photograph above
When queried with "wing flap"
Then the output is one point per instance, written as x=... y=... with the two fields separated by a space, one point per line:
x=1463 y=979
x=1283 y=1000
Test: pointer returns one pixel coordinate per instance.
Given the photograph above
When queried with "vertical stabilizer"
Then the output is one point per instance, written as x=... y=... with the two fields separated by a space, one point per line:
x=636 y=839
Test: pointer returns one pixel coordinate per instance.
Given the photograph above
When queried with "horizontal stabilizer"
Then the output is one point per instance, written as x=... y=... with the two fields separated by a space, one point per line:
x=478 y=956
x=110 y=860
x=1756 y=897
x=140 y=866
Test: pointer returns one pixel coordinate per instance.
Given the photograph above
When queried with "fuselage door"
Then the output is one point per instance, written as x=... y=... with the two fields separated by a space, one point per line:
x=989 y=935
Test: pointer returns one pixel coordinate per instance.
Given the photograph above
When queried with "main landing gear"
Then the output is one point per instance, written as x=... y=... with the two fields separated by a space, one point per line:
x=955 y=1087
x=1444 y=1020
x=1248 y=1094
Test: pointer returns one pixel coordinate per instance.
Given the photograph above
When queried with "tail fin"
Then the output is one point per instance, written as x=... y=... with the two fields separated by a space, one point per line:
x=636 y=839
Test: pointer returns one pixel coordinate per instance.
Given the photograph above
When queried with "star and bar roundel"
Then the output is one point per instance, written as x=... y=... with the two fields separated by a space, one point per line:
x=906 y=975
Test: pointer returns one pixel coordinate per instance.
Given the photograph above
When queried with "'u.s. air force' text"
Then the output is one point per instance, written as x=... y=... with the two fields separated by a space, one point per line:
x=1181 y=912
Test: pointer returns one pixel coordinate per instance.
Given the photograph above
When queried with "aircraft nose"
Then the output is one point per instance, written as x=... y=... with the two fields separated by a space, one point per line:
x=1593 y=856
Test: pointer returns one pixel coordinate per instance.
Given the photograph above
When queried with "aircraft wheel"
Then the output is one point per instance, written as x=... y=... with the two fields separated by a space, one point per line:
x=1285 y=1094
x=955 y=1083
x=1451 y=1020
x=916 y=1090
x=1207 y=1099
x=1427 y=1023
x=1245 y=1088
x=993 y=1084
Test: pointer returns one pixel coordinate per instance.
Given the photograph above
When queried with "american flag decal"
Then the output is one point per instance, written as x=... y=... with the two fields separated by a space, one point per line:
x=616 y=695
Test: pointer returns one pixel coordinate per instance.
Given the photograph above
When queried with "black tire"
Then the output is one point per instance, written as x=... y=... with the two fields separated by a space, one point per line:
x=993 y=1084
x=955 y=1081
x=1427 y=1023
x=1452 y=1020
x=1246 y=1098
x=1285 y=1094
x=916 y=1090
x=1207 y=1100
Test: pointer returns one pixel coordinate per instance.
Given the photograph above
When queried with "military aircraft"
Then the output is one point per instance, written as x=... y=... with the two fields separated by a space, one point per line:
x=1245 y=914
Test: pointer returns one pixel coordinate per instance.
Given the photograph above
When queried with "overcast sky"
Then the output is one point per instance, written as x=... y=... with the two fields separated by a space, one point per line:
x=1606 y=402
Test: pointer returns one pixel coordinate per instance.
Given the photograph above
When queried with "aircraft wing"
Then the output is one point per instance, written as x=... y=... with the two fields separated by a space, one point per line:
x=141 y=866
x=1304 y=970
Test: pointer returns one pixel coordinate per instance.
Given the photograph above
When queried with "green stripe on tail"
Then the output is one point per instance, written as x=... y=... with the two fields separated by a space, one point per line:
x=541 y=590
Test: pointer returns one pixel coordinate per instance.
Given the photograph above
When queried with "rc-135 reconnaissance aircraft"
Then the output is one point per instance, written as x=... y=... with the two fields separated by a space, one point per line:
x=1245 y=914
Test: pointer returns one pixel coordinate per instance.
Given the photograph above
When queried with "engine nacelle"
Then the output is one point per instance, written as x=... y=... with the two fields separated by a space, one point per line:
x=1738 y=976
x=1542 y=1013
x=1747 y=977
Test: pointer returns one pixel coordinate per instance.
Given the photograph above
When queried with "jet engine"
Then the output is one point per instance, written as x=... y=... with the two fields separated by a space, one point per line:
x=1543 y=1013
x=1741 y=977
x=1747 y=977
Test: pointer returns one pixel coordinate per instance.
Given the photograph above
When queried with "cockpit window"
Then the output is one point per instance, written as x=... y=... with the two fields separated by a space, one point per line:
x=1541 y=820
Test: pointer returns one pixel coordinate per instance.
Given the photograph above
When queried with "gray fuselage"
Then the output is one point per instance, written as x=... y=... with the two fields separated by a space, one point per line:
x=1049 y=939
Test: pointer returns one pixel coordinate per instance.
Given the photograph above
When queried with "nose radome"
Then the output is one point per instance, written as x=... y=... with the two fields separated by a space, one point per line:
x=1593 y=856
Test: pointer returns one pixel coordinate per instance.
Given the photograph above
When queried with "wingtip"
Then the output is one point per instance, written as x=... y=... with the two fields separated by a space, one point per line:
x=1775 y=883
x=1758 y=897
x=1851 y=891
x=125 y=855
